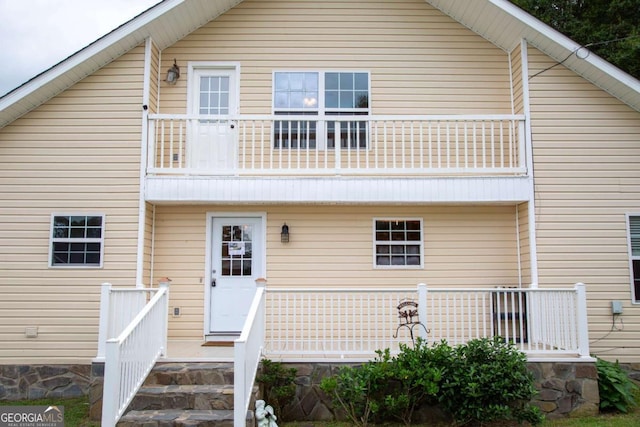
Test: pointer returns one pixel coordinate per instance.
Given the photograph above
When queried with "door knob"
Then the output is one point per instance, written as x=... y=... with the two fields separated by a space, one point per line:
x=213 y=282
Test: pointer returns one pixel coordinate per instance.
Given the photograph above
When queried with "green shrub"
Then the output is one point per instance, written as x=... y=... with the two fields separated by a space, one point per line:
x=359 y=390
x=481 y=381
x=414 y=381
x=486 y=380
x=616 y=389
x=278 y=385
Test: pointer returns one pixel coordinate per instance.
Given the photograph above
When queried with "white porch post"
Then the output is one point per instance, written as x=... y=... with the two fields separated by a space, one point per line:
x=103 y=326
x=582 y=320
x=422 y=310
x=111 y=392
x=164 y=284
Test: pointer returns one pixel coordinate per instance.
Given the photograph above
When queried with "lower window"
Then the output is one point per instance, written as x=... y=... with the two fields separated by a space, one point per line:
x=77 y=240
x=398 y=243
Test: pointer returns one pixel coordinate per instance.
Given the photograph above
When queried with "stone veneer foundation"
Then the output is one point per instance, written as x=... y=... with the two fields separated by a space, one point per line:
x=565 y=389
x=20 y=382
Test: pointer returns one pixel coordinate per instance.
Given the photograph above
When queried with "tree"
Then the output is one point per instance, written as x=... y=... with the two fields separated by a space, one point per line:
x=609 y=28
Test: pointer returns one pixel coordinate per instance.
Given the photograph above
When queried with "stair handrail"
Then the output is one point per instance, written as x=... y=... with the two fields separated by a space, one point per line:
x=247 y=352
x=130 y=357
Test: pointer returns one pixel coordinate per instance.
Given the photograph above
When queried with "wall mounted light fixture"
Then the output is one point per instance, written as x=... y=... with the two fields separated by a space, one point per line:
x=284 y=234
x=173 y=74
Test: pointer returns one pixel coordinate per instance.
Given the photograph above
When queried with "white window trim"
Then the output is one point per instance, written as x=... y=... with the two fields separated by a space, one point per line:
x=92 y=240
x=322 y=117
x=398 y=267
x=635 y=299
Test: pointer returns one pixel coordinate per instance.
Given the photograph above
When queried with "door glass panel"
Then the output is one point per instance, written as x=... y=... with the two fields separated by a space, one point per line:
x=214 y=95
x=236 y=250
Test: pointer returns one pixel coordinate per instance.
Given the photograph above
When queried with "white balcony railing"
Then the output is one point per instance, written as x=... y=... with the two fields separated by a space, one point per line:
x=357 y=322
x=131 y=355
x=329 y=145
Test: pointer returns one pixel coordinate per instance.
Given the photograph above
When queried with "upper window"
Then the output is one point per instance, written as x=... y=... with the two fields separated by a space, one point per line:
x=634 y=252
x=77 y=240
x=398 y=243
x=320 y=94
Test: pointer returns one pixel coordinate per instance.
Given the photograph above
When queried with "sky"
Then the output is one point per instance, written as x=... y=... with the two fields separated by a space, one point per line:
x=37 y=34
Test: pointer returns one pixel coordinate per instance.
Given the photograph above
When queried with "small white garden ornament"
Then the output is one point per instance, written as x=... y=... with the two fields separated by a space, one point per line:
x=264 y=415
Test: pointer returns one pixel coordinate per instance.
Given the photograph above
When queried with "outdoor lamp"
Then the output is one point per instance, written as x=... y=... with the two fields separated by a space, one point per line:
x=284 y=234
x=173 y=74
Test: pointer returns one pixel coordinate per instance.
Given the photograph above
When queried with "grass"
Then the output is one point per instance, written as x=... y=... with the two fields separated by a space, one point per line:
x=631 y=419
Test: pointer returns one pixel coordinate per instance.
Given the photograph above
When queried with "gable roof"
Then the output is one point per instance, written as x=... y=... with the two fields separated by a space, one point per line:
x=498 y=21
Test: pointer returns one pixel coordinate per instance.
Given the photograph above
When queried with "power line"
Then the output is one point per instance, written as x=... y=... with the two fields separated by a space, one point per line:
x=586 y=46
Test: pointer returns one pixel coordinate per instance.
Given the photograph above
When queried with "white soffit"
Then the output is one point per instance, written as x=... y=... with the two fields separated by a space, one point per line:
x=505 y=24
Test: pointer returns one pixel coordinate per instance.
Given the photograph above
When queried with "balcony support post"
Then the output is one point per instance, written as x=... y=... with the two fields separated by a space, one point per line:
x=581 y=319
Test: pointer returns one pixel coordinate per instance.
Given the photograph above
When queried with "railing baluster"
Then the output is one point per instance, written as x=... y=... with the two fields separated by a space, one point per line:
x=457 y=148
x=162 y=138
x=448 y=144
x=502 y=148
x=403 y=144
x=439 y=151
x=171 y=142
x=493 y=143
x=421 y=153
x=466 y=144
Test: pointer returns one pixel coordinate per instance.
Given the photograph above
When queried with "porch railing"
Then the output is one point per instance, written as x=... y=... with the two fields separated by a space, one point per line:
x=247 y=353
x=130 y=357
x=118 y=307
x=357 y=322
x=330 y=145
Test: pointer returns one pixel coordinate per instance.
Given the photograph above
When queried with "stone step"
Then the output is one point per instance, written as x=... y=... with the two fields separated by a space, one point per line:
x=199 y=397
x=178 y=418
x=191 y=373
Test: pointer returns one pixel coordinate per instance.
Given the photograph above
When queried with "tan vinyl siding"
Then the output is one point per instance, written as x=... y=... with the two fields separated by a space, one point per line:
x=586 y=151
x=148 y=245
x=421 y=61
x=155 y=77
x=77 y=153
x=333 y=246
x=525 y=243
x=516 y=79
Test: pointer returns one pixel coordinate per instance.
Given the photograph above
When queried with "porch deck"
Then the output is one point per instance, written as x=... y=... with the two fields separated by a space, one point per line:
x=195 y=351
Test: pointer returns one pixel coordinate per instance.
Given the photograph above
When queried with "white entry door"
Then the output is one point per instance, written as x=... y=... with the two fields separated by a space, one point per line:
x=236 y=264
x=212 y=145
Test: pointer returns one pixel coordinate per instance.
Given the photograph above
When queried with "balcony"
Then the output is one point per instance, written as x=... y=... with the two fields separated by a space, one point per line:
x=195 y=158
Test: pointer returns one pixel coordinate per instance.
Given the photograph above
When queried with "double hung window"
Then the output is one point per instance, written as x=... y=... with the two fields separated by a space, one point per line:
x=334 y=98
x=398 y=243
x=634 y=253
x=77 y=240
